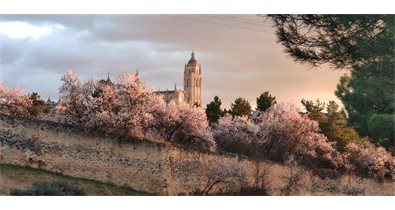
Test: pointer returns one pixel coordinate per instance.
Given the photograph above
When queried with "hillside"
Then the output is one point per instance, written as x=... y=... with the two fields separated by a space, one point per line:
x=158 y=169
x=19 y=177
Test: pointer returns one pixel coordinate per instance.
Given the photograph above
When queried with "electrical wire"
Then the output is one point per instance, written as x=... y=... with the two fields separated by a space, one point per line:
x=234 y=19
x=217 y=23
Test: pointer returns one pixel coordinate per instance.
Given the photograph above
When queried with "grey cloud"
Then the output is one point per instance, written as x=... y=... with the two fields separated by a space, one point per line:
x=235 y=62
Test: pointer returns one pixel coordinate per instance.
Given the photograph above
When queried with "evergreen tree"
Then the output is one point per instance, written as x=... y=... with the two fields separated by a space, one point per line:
x=314 y=110
x=340 y=40
x=38 y=105
x=368 y=93
x=265 y=101
x=382 y=127
x=365 y=44
x=214 y=111
x=333 y=123
x=335 y=127
x=241 y=107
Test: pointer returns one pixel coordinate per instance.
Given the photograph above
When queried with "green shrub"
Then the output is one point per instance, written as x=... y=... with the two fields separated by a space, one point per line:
x=50 y=188
x=382 y=128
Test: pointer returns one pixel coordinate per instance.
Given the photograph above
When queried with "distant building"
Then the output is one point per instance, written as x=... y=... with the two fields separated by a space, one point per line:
x=49 y=105
x=192 y=93
x=176 y=95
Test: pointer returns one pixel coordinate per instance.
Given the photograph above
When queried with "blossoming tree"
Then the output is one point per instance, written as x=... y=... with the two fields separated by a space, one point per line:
x=284 y=132
x=370 y=161
x=14 y=101
x=184 y=125
x=236 y=134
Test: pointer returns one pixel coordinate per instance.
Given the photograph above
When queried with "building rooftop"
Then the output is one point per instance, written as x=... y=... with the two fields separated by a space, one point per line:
x=193 y=60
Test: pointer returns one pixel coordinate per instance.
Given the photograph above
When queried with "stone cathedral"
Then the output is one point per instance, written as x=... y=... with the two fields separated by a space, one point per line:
x=192 y=92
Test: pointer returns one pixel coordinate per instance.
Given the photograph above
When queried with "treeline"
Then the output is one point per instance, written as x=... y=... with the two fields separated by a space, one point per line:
x=331 y=119
x=278 y=132
x=318 y=137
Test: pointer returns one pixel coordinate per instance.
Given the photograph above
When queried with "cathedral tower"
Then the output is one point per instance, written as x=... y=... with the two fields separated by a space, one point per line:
x=193 y=82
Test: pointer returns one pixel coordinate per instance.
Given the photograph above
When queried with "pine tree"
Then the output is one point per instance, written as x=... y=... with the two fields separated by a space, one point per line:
x=314 y=110
x=368 y=93
x=214 y=111
x=38 y=105
x=340 y=40
x=241 y=107
x=364 y=44
x=265 y=101
x=335 y=127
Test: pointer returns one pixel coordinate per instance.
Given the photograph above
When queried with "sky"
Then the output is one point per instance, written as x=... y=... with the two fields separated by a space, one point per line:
x=239 y=54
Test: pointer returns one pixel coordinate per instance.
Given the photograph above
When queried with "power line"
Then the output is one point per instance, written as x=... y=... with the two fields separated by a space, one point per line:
x=216 y=23
x=235 y=19
x=241 y=18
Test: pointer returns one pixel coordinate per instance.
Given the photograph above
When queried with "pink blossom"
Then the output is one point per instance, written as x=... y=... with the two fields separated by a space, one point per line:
x=371 y=161
x=14 y=101
x=284 y=132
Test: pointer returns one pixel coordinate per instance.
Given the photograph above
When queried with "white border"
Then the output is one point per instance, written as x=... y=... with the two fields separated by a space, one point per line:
x=196 y=203
x=196 y=6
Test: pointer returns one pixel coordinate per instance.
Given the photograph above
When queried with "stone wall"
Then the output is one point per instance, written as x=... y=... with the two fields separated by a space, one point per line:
x=156 y=167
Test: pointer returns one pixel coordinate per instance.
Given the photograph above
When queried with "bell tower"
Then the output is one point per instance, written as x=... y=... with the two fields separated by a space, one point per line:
x=193 y=82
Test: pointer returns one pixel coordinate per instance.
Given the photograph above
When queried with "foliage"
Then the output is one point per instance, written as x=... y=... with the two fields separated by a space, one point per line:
x=265 y=101
x=278 y=134
x=382 y=127
x=367 y=93
x=14 y=101
x=137 y=103
x=38 y=105
x=55 y=188
x=123 y=108
x=129 y=108
x=314 y=109
x=333 y=123
x=236 y=135
x=214 y=111
x=341 y=40
x=182 y=124
x=364 y=44
x=70 y=97
x=370 y=161
x=285 y=133
x=102 y=105
x=240 y=107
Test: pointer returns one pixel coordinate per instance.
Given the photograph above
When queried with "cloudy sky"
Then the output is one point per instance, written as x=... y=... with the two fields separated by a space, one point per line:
x=238 y=54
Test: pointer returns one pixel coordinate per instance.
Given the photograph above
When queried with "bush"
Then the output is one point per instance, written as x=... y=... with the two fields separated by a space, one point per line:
x=278 y=134
x=236 y=135
x=14 y=101
x=183 y=125
x=370 y=161
x=55 y=188
x=285 y=133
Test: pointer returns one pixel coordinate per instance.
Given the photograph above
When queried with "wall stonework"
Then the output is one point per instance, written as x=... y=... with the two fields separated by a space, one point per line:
x=153 y=167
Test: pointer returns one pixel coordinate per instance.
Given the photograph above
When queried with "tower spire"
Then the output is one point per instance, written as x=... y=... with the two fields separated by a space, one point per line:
x=137 y=71
x=175 y=86
x=108 y=77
